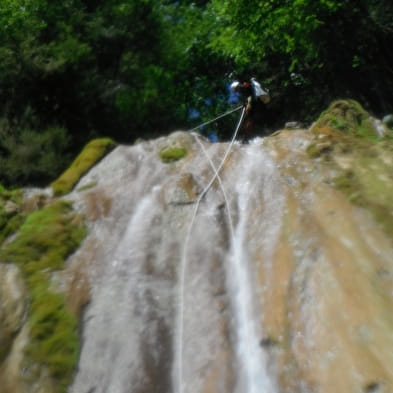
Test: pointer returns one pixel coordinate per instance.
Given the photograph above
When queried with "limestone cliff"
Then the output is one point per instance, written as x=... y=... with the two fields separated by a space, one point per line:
x=274 y=274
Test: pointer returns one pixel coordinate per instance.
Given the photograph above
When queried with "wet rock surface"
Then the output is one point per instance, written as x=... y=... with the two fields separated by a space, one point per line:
x=314 y=275
x=13 y=303
x=266 y=278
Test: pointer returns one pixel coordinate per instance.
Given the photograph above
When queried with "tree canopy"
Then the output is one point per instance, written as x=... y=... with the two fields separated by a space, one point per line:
x=78 y=69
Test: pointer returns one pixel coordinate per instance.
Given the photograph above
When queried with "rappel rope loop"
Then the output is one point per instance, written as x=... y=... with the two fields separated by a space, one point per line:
x=183 y=264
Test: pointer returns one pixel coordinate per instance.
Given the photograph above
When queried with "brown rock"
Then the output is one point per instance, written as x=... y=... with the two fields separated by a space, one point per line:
x=12 y=306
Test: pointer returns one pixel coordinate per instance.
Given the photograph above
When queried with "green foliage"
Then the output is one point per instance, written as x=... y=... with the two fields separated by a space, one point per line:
x=9 y=224
x=135 y=69
x=204 y=71
x=89 y=156
x=172 y=153
x=133 y=86
x=308 y=50
x=44 y=241
x=95 y=68
x=29 y=156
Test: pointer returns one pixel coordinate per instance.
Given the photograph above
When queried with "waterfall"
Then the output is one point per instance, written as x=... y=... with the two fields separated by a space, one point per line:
x=119 y=302
x=251 y=358
x=246 y=185
x=272 y=254
x=126 y=328
x=132 y=341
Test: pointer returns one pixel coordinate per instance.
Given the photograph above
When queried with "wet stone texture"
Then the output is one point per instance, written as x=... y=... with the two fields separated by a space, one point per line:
x=12 y=306
x=270 y=281
x=266 y=278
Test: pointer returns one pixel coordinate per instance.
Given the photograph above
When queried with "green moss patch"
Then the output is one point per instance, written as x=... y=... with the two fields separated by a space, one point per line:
x=348 y=117
x=44 y=241
x=11 y=214
x=172 y=153
x=90 y=155
x=88 y=186
x=369 y=183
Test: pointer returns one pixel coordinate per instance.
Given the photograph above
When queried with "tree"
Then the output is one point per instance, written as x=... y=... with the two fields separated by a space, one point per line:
x=308 y=51
x=89 y=67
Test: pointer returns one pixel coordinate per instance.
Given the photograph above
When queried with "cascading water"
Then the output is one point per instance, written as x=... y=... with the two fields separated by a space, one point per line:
x=127 y=296
x=252 y=361
x=252 y=376
x=131 y=284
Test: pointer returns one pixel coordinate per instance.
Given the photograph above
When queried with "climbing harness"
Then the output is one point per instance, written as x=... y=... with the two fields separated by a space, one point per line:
x=183 y=264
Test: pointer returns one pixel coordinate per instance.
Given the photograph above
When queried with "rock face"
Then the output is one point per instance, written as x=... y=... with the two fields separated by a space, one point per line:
x=263 y=279
x=267 y=277
x=12 y=300
x=13 y=304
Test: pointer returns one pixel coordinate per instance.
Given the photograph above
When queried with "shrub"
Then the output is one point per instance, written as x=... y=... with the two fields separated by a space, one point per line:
x=30 y=155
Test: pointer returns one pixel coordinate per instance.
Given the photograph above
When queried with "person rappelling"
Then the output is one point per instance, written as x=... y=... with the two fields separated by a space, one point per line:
x=255 y=98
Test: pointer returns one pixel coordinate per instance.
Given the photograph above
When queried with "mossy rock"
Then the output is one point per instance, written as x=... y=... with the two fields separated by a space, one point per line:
x=90 y=155
x=369 y=182
x=44 y=241
x=11 y=212
x=87 y=186
x=345 y=140
x=172 y=153
x=348 y=117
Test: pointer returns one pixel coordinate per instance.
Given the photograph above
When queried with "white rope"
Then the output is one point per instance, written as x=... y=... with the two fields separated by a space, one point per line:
x=216 y=118
x=183 y=264
x=221 y=185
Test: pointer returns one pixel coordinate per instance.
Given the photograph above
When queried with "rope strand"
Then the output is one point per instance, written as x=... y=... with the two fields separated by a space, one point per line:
x=216 y=118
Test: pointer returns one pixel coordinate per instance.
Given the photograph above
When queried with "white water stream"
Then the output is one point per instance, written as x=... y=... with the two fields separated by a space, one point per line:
x=254 y=170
